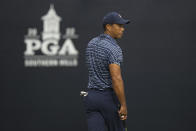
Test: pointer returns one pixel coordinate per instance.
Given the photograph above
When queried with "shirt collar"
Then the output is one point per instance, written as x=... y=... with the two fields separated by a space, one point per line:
x=113 y=41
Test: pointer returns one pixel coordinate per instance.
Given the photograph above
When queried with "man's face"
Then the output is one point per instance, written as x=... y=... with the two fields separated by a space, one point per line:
x=116 y=30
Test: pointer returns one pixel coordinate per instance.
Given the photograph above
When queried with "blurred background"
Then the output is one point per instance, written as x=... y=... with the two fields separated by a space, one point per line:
x=43 y=63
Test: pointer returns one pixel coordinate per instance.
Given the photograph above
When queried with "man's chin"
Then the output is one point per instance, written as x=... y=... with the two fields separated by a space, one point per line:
x=120 y=36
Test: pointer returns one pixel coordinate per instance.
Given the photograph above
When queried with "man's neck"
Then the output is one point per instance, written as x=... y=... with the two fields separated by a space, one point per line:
x=108 y=33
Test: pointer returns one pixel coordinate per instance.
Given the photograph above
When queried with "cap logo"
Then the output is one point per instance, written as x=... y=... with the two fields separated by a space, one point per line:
x=119 y=15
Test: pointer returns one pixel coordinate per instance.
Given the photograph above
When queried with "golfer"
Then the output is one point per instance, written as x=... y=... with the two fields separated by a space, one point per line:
x=105 y=104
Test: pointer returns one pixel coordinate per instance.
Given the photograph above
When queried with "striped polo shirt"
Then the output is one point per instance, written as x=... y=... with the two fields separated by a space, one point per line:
x=100 y=52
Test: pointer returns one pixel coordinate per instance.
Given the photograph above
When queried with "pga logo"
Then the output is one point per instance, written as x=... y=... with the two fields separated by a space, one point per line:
x=51 y=36
x=47 y=52
x=50 y=47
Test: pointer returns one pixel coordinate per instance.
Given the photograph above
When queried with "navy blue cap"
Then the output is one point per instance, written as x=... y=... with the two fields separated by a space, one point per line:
x=114 y=18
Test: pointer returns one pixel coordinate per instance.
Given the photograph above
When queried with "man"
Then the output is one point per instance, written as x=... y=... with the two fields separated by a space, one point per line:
x=105 y=103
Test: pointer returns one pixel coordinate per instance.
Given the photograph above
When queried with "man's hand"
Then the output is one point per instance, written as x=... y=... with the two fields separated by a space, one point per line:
x=123 y=113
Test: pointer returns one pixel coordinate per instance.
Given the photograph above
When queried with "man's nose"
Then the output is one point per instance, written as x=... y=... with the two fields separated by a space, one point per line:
x=122 y=28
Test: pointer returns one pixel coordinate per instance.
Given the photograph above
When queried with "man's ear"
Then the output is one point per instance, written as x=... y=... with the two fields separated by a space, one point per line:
x=108 y=27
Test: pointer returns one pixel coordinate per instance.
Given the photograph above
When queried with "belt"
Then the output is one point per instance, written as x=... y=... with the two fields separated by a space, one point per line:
x=101 y=89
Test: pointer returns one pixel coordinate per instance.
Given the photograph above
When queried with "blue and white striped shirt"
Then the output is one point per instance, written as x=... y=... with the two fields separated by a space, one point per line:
x=100 y=52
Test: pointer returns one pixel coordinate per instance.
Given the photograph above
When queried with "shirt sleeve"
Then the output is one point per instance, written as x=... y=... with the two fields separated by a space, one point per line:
x=114 y=57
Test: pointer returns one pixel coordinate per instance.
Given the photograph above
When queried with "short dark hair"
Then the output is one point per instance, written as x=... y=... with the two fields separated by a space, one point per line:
x=104 y=27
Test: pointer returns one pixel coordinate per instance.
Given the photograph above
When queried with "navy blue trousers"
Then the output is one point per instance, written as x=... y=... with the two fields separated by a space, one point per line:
x=101 y=109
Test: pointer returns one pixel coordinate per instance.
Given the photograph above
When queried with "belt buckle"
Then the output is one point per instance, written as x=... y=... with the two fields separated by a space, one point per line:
x=101 y=89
